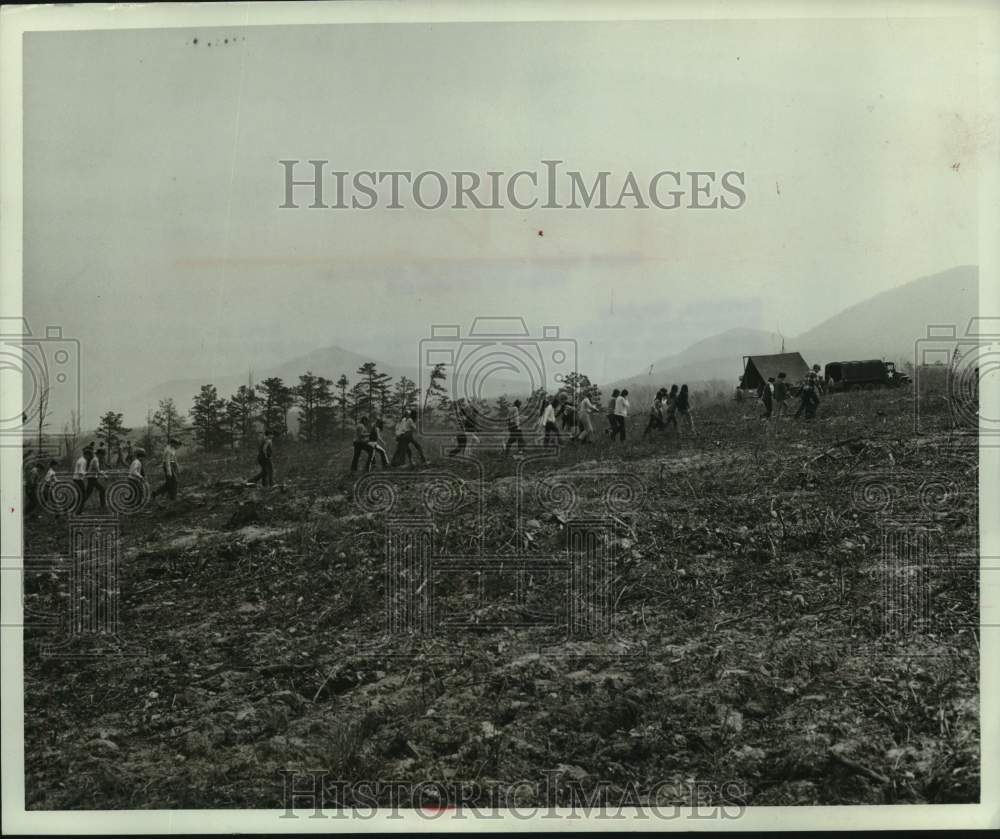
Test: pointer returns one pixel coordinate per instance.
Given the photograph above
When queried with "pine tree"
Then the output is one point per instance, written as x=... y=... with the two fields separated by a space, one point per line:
x=236 y=433
x=169 y=420
x=435 y=387
x=376 y=385
x=575 y=386
x=342 y=385
x=357 y=400
x=312 y=395
x=208 y=416
x=404 y=394
x=276 y=400
x=242 y=410
x=111 y=429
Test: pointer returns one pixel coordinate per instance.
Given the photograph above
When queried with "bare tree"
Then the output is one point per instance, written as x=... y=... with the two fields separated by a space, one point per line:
x=43 y=413
x=71 y=433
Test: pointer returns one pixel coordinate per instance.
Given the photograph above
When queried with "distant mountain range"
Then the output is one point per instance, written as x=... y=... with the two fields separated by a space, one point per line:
x=884 y=326
x=329 y=362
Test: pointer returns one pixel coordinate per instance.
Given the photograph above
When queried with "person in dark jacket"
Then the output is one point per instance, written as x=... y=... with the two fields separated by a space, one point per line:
x=264 y=460
x=612 y=424
x=781 y=395
x=683 y=407
x=808 y=400
x=466 y=423
x=361 y=443
x=515 y=436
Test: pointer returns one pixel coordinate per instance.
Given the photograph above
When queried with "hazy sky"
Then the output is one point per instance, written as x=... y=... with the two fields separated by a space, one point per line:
x=152 y=183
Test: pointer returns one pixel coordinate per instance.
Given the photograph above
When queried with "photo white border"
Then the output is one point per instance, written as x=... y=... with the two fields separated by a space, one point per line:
x=15 y=21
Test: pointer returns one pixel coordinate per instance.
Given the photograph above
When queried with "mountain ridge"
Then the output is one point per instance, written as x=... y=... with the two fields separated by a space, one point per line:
x=886 y=325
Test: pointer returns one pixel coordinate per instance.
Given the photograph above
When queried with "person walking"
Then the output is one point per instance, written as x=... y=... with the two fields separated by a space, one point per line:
x=683 y=407
x=80 y=477
x=32 y=488
x=610 y=430
x=816 y=379
x=515 y=436
x=95 y=479
x=414 y=442
x=808 y=400
x=548 y=424
x=584 y=410
x=412 y=439
x=136 y=470
x=671 y=409
x=401 y=454
x=781 y=395
x=49 y=482
x=265 y=451
x=171 y=470
x=566 y=415
x=361 y=443
x=621 y=415
x=656 y=413
x=406 y=430
x=377 y=447
x=767 y=397
x=466 y=425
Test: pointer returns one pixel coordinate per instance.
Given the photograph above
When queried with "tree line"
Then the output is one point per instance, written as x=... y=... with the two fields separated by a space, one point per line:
x=325 y=408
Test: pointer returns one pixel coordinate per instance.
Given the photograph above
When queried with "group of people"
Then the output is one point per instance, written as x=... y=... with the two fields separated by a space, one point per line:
x=368 y=440
x=775 y=392
x=90 y=475
x=560 y=415
x=669 y=409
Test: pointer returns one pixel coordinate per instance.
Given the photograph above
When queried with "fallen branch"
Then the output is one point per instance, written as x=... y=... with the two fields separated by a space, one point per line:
x=839 y=444
x=858 y=768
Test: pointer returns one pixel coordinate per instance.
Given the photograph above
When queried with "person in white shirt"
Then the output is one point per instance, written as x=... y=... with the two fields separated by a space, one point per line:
x=548 y=423
x=406 y=428
x=411 y=427
x=378 y=450
x=48 y=482
x=135 y=469
x=621 y=415
x=586 y=426
x=80 y=477
x=171 y=470
x=136 y=472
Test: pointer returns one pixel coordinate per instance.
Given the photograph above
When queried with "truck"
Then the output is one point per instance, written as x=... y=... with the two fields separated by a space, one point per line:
x=869 y=374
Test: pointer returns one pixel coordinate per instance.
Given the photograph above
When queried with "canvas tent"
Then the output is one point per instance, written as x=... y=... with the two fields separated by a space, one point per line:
x=757 y=369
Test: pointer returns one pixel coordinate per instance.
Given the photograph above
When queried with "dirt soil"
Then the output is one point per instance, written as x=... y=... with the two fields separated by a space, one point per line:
x=748 y=616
